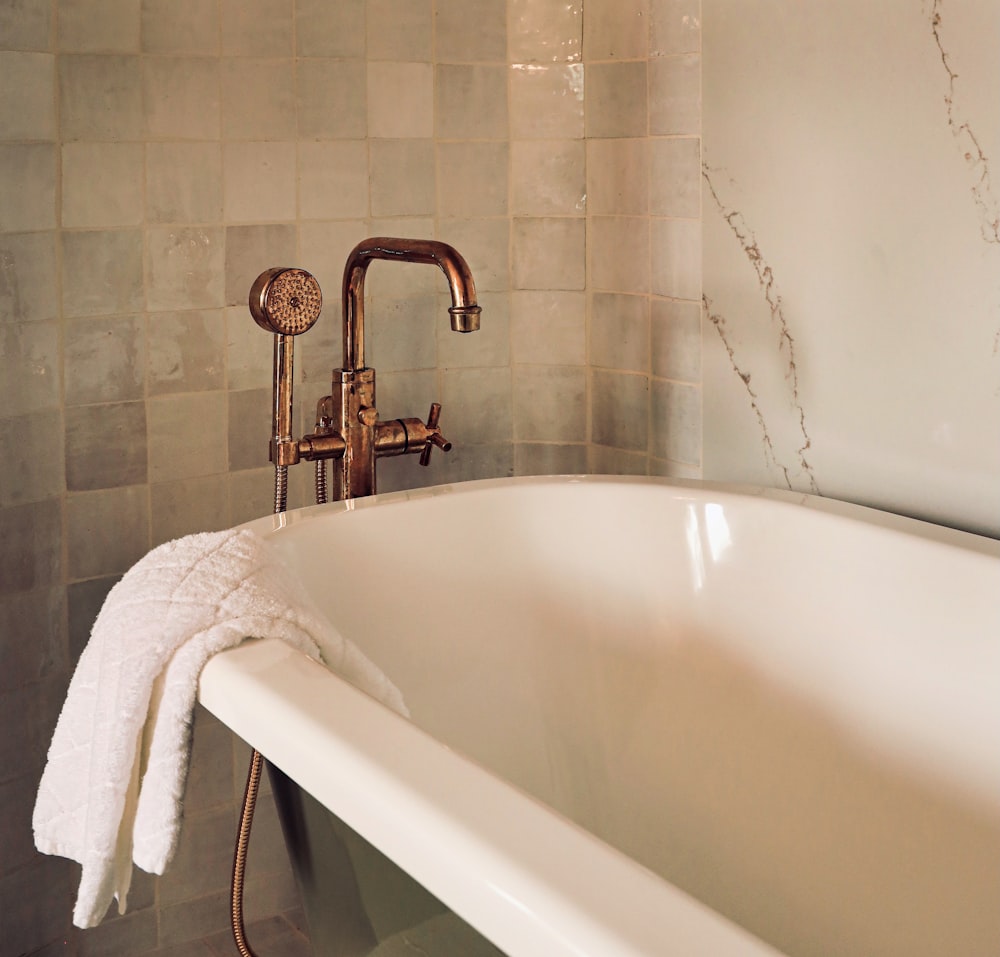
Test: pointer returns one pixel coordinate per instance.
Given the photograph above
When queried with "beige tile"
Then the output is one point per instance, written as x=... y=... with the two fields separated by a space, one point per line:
x=324 y=29
x=400 y=334
x=85 y=600
x=249 y=430
x=675 y=95
x=333 y=179
x=249 y=251
x=400 y=99
x=27 y=186
x=619 y=410
x=249 y=351
x=185 y=268
x=472 y=178
x=102 y=184
x=618 y=247
x=104 y=360
x=187 y=435
x=34 y=469
x=102 y=272
x=257 y=27
x=456 y=43
x=100 y=97
x=676 y=339
x=619 y=332
x=616 y=30
x=180 y=27
x=181 y=97
x=549 y=253
x=258 y=99
x=29 y=277
x=39 y=613
x=485 y=244
x=604 y=460
x=675 y=27
x=30 y=552
x=30 y=382
x=616 y=99
x=674 y=470
x=251 y=495
x=105 y=446
x=402 y=177
x=99 y=26
x=549 y=328
x=479 y=404
x=400 y=30
x=26 y=25
x=547 y=458
x=107 y=531
x=676 y=255
x=548 y=178
x=332 y=99
x=675 y=421
x=550 y=404
x=27 y=96
x=186 y=506
x=187 y=351
x=618 y=177
x=545 y=32
x=210 y=779
x=470 y=101
x=675 y=177
x=183 y=182
x=546 y=101
x=467 y=463
x=258 y=182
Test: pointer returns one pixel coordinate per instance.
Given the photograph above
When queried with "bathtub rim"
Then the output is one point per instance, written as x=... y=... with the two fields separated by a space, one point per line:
x=965 y=539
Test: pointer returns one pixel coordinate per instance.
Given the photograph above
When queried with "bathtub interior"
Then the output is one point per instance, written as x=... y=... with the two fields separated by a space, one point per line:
x=779 y=713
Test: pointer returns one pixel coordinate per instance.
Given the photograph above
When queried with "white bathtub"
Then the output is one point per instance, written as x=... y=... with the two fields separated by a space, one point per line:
x=652 y=718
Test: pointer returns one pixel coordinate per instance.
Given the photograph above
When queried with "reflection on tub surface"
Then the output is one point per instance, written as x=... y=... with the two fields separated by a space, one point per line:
x=786 y=709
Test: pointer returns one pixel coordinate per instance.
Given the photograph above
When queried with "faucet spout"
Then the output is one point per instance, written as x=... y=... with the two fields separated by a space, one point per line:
x=464 y=310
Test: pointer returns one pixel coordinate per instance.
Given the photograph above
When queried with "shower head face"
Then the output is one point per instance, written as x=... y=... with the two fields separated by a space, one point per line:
x=286 y=301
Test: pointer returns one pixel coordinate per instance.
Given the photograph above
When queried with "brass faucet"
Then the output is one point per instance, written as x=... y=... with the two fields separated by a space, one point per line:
x=348 y=429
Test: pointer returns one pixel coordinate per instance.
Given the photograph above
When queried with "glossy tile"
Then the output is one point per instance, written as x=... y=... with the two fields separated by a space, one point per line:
x=400 y=30
x=104 y=360
x=616 y=99
x=548 y=327
x=108 y=26
x=550 y=404
x=676 y=339
x=100 y=97
x=675 y=26
x=27 y=186
x=470 y=101
x=35 y=469
x=324 y=29
x=676 y=253
x=249 y=251
x=185 y=268
x=544 y=32
x=31 y=375
x=332 y=99
x=27 y=96
x=28 y=277
x=102 y=272
x=105 y=446
x=456 y=43
x=333 y=179
x=27 y=25
x=400 y=99
x=186 y=352
x=257 y=27
x=675 y=177
x=619 y=251
x=258 y=182
x=619 y=410
x=402 y=177
x=473 y=179
x=618 y=176
x=546 y=101
x=619 y=332
x=183 y=182
x=181 y=97
x=258 y=99
x=675 y=95
x=176 y=450
x=30 y=552
x=615 y=30
x=675 y=421
x=549 y=253
x=548 y=178
x=107 y=531
x=102 y=184
x=180 y=27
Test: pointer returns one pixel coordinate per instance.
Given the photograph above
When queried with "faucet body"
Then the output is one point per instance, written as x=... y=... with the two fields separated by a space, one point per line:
x=348 y=429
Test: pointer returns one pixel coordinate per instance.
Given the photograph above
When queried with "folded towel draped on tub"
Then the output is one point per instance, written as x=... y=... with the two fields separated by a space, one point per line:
x=113 y=784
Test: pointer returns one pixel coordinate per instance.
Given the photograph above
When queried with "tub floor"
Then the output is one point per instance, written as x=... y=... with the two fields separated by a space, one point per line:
x=281 y=936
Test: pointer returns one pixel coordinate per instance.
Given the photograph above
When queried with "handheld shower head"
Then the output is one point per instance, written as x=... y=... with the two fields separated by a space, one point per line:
x=285 y=301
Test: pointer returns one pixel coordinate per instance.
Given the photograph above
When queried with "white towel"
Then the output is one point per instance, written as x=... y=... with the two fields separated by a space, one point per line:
x=113 y=784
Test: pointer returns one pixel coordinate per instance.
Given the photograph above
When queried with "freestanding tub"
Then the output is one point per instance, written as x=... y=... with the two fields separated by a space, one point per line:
x=647 y=718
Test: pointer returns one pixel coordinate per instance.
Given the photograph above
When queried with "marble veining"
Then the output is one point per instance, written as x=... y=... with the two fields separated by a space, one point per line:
x=851 y=226
x=786 y=342
x=975 y=158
